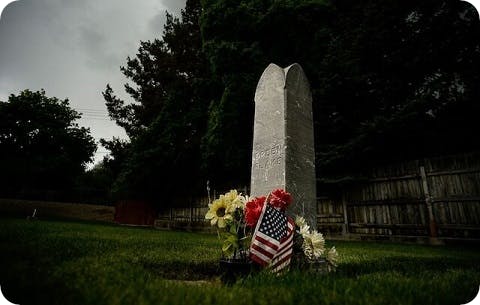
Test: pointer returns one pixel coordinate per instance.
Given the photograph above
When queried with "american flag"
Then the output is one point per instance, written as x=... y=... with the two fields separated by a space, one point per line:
x=272 y=239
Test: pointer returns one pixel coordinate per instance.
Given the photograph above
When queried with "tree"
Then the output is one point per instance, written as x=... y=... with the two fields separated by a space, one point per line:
x=93 y=186
x=398 y=81
x=390 y=80
x=41 y=146
x=240 y=40
x=172 y=90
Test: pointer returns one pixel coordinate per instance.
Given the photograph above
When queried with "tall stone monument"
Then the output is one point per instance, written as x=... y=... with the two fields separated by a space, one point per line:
x=283 y=150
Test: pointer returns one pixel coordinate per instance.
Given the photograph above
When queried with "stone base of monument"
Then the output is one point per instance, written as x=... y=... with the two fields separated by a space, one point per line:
x=232 y=270
x=317 y=266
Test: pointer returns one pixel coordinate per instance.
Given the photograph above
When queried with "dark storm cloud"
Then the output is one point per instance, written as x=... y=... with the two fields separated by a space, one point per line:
x=73 y=48
x=98 y=53
x=157 y=21
x=174 y=6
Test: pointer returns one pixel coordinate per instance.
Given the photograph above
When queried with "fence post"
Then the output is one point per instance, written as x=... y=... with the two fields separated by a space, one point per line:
x=428 y=201
x=345 y=216
x=191 y=212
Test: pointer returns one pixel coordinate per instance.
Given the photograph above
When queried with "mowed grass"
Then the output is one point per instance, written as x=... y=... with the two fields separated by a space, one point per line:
x=46 y=262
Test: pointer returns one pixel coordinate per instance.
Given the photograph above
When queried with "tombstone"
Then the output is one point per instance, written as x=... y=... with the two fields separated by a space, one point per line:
x=283 y=151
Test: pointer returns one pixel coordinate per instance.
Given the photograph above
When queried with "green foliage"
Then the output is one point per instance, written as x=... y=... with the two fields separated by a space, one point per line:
x=124 y=115
x=390 y=81
x=227 y=143
x=93 y=186
x=398 y=81
x=173 y=89
x=41 y=146
x=230 y=243
x=119 y=150
x=80 y=263
x=240 y=40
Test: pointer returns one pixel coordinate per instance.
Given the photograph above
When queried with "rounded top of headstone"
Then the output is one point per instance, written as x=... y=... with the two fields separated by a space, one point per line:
x=273 y=78
x=295 y=70
x=294 y=66
x=272 y=66
x=295 y=78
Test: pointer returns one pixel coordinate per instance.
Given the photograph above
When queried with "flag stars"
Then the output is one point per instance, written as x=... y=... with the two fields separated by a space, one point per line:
x=275 y=223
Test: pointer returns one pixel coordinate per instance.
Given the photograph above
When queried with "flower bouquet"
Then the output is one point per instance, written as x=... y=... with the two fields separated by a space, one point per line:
x=227 y=213
x=309 y=249
x=256 y=233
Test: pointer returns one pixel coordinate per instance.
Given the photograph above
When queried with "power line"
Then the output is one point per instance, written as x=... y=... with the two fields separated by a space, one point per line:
x=90 y=109
x=95 y=116
x=91 y=113
x=95 y=111
x=97 y=119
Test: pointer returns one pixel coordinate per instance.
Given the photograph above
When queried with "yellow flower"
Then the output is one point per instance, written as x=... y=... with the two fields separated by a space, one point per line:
x=237 y=201
x=231 y=196
x=219 y=212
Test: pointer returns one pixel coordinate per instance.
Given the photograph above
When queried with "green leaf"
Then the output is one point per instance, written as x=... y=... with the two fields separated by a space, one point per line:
x=230 y=244
x=233 y=229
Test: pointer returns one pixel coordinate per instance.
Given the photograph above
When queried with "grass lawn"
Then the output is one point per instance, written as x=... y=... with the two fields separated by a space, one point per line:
x=52 y=262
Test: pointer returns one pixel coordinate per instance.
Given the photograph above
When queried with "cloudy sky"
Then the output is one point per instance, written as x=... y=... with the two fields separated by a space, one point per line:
x=73 y=48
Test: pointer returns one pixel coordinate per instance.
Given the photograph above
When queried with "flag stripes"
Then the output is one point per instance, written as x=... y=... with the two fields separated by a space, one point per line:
x=272 y=240
x=263 y=249
x=284 y=255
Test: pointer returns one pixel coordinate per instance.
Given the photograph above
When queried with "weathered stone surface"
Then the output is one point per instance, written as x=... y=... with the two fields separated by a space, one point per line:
x=283 y=149
x=268 y=156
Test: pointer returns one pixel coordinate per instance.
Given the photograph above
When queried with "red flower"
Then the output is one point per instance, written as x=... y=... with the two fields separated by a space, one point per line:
x=253 y=209
x=280 y=199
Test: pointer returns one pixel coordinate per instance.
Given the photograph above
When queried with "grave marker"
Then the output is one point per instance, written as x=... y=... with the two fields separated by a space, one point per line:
x=283 y=149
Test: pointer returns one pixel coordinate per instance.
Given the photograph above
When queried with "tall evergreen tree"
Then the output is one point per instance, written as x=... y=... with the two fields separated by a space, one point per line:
x=173 y=89
x=390 y=80
x=240 y=40
x=398 y=81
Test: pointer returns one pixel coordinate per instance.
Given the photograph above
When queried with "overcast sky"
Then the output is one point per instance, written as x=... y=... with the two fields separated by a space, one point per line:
x=73 y=48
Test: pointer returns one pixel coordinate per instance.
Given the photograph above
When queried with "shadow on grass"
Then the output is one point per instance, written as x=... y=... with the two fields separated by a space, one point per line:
x=192 y=271
x=408 y=266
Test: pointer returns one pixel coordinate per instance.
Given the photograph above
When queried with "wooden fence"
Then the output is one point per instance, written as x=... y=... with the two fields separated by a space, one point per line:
x=192 y=214
x=437 y=197
x=431 y=198
x=191 y=217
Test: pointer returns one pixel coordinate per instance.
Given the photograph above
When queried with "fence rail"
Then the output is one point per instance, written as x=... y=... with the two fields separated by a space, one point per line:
x=188 y=214
x=193 y=213
x=437 y=197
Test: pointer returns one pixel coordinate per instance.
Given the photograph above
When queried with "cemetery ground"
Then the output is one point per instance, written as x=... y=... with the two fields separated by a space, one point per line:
x=59 y=262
